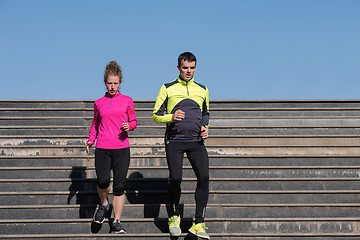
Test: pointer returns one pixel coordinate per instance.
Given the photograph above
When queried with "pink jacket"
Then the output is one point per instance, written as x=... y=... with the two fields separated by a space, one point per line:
x=109 y=113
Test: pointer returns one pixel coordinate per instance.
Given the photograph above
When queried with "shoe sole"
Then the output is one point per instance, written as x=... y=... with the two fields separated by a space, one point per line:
x=194 y=233
x=175 y=235
x=117 y=232
x=98 y=222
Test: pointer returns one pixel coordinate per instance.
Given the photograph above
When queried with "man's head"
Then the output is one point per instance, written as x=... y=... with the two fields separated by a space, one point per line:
x=186 y=65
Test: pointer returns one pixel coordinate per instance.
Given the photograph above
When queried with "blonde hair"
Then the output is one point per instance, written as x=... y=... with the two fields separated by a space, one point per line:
x=113 y=69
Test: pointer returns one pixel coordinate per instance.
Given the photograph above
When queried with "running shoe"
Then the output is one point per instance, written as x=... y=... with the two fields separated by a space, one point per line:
x=99 y=215
x=174 y=225
x=199 y=230
x=117 y=228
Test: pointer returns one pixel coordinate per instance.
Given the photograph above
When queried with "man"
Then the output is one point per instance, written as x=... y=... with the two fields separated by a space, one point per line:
x=184 y=105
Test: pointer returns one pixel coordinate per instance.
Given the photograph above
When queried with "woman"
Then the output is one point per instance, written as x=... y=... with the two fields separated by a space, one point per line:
x=114 y=116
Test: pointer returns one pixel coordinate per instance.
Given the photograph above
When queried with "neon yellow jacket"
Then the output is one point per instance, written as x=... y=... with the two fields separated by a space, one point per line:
x=192 y=98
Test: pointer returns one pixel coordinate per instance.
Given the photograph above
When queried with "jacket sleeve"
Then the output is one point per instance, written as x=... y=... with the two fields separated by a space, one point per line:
x=159 y=114
x=94 y=126
x=205 y=111
x=132 y=121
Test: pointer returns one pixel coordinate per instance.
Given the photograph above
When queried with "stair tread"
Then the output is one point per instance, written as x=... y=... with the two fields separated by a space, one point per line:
x=207 y=145
x=217 y=205
x=185 y=167
x=213 y=108
x=166 y=235
x=192 y=192
x=211 y=136
x=275 y=219
x=165 y=179
x=210 y=156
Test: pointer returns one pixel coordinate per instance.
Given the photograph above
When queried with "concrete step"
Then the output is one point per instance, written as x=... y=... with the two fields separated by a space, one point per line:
x=47 y=121
x=216 y=225
x=292 y=121
x=43 y=130
x=238 y=184
x=215 y=130
x=188 y=236
x=159 y=195
x=50 y=112
x=285 y=140
x=162 y=210
x=284 y=103
x=215 y=112
x=61 y=103
x=213 y=103
x=243 y=161
x=291 y=172
x=297 y=130
x=48 y=150
x=28 y=161
x=257 y=121
x=46 y=103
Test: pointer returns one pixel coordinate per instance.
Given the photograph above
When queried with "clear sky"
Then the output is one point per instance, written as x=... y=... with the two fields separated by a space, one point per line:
x=246 y=49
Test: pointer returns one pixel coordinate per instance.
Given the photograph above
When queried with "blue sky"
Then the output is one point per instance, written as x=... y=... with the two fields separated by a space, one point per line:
x=246 y=49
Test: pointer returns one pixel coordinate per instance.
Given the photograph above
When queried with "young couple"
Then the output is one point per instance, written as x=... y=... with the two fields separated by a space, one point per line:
x=184 y=105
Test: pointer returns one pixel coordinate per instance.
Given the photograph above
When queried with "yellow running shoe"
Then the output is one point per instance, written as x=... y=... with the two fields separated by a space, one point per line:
x=199 y=230
x=174 y=226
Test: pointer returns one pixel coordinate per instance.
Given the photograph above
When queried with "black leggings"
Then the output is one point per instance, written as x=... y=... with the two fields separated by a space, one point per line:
x=116 y=159
x=198 y=157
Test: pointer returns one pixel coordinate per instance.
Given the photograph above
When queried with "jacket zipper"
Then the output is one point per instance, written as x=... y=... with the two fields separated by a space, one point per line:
x=187 y=88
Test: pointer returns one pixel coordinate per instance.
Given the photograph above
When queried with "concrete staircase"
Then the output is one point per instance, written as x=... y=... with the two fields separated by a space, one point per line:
x=278 y=169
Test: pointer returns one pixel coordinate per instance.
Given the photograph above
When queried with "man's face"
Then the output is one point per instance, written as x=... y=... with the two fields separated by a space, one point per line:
x=187 y=70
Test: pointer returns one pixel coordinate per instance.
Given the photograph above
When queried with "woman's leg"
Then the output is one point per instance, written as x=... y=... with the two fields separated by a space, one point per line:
x=118 y=206
x=103 y=167
x=103 y=195
x=120 y=165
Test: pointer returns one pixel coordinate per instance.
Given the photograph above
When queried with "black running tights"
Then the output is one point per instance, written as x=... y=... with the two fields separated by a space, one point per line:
x=198 y=157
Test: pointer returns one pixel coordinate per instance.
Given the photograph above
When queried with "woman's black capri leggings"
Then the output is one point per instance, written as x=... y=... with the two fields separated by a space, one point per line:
x=116 y=159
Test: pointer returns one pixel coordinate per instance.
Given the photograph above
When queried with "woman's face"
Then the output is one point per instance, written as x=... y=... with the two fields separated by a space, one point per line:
x=112 y=85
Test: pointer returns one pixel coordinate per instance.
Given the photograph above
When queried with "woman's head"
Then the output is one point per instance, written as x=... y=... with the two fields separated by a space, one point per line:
x=112 y=78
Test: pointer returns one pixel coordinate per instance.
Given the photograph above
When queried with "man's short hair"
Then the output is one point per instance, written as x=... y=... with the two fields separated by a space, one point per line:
x=186 y=56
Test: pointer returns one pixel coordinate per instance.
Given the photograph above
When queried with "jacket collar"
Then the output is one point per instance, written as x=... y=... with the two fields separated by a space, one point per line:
x=116 y=95
x=183 y=82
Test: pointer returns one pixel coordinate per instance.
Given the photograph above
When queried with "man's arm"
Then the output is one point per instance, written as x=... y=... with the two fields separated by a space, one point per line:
x=159 y=114
x=205 y=118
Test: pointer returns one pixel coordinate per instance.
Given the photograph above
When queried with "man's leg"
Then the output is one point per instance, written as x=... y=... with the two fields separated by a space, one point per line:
x=199 y=160
x=174 y=156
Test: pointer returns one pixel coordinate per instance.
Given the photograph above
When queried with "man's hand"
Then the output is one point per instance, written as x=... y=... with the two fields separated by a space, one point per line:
x=88 y=146
x=178 y=115
x=204 y=132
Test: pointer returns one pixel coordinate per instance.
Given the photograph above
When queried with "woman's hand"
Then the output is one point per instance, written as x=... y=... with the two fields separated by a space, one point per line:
x=125 y=126
x=88 y=146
